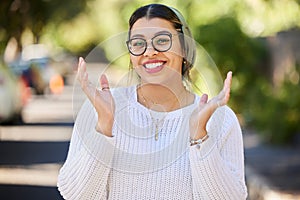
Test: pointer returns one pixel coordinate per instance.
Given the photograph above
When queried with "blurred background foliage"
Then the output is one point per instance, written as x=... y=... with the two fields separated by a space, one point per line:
x=242 y=36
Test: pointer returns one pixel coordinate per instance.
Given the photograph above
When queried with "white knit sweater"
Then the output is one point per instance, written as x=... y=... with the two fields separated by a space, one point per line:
x=133 y=165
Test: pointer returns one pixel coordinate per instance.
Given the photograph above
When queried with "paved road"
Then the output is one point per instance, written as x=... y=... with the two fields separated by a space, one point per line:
x=32 y=153
x=28 y=169
x=273 y=171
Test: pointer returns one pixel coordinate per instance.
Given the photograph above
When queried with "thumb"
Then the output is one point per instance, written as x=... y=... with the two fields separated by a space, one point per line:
x=104 y=82
x=203 y=100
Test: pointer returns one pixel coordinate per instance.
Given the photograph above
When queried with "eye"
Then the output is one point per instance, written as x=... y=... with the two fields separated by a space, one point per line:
x=162 y=40
x=137 y=43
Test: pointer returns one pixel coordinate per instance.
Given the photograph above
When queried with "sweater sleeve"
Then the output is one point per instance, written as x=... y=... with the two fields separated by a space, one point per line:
x=85 y=172
x=218 y=165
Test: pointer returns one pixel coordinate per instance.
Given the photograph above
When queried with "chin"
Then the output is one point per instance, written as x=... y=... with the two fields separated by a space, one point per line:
x=165 y=76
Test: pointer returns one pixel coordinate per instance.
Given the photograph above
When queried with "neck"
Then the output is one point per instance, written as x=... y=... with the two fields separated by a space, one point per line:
x=164 y=89
x=161 y=97
x=160 y=92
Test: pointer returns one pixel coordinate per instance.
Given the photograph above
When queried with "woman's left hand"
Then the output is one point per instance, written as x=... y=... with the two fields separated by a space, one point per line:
x=205 y=109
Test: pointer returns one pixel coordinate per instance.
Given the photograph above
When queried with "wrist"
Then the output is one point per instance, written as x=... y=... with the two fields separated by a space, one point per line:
x=199 y=134
x=199 y=139
x=104 y=128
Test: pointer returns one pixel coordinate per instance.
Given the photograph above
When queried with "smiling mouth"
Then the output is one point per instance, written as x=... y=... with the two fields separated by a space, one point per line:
x=153 y=65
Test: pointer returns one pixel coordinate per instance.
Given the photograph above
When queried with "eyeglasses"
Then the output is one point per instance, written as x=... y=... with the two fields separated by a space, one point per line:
x=161 y=43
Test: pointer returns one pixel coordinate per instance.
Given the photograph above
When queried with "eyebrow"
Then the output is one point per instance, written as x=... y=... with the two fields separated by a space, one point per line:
x=157 y=33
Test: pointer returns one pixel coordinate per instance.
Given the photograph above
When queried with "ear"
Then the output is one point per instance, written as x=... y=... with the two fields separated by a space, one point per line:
x=185 y=67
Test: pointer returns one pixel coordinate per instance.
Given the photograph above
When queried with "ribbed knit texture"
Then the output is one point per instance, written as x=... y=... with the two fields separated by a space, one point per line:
x=133 y=165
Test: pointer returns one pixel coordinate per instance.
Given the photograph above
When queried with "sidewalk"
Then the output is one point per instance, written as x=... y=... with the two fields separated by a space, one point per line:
x=272 y=172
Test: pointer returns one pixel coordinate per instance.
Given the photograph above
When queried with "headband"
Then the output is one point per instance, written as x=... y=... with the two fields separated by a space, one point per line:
x=189 y=43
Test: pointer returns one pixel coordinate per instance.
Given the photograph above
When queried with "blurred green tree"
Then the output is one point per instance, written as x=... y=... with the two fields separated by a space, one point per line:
x=232 y=50
x=18 y=15
x=274 y=112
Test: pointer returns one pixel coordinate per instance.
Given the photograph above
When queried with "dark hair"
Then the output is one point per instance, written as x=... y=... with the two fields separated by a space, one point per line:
x=172 y=15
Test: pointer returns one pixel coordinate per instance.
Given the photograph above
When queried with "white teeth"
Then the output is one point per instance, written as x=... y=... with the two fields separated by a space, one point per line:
x=153 y=65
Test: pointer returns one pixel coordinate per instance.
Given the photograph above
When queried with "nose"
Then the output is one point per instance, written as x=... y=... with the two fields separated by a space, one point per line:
x=150 y=51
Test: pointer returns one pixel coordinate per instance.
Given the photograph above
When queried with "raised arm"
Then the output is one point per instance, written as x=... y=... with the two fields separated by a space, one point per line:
x=101 y=99
x=217 y=164
x=85 y=172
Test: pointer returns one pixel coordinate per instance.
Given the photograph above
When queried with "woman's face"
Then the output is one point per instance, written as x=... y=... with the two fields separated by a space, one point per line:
x=154 y=66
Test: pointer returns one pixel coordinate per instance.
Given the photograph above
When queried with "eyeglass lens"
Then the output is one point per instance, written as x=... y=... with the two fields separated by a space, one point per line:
x=161 y=43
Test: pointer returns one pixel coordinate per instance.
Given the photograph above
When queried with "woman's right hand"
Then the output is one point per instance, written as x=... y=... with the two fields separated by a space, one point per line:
x=101 y=99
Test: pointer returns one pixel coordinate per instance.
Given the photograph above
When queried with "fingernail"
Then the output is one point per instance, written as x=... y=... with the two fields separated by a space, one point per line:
x=81 y=59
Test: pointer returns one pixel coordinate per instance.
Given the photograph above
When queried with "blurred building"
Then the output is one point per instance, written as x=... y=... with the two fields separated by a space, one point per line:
x=285 y=56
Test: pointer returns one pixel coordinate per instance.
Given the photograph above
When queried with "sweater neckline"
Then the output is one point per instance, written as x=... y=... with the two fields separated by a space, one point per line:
x=158 y=114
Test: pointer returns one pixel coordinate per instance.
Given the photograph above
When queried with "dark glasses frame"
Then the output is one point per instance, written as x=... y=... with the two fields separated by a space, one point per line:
x=146 y=44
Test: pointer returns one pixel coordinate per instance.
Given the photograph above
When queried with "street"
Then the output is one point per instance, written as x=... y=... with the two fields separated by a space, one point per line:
x=33 y=152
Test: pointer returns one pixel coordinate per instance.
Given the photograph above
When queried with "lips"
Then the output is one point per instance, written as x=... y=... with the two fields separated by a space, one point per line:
x=154 y=66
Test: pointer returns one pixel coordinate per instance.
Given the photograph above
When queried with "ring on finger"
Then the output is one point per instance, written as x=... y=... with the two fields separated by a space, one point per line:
x=105 y=88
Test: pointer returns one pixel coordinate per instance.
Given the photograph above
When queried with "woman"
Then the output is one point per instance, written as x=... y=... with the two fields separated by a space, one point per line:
x=154 y=140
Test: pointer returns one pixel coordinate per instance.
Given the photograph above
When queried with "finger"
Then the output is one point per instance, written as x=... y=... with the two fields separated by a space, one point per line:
x=224 y=95
x=81 y=63
x=203 y=99
x=81 y=60
x=82 y=75
x=228 y=80
x=81 y=71
x=228 y=85
x=104 y=82
x=226 y=90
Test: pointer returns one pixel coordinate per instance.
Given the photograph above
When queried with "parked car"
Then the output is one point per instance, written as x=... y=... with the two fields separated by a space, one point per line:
x=38 y=70
x=13 y=95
